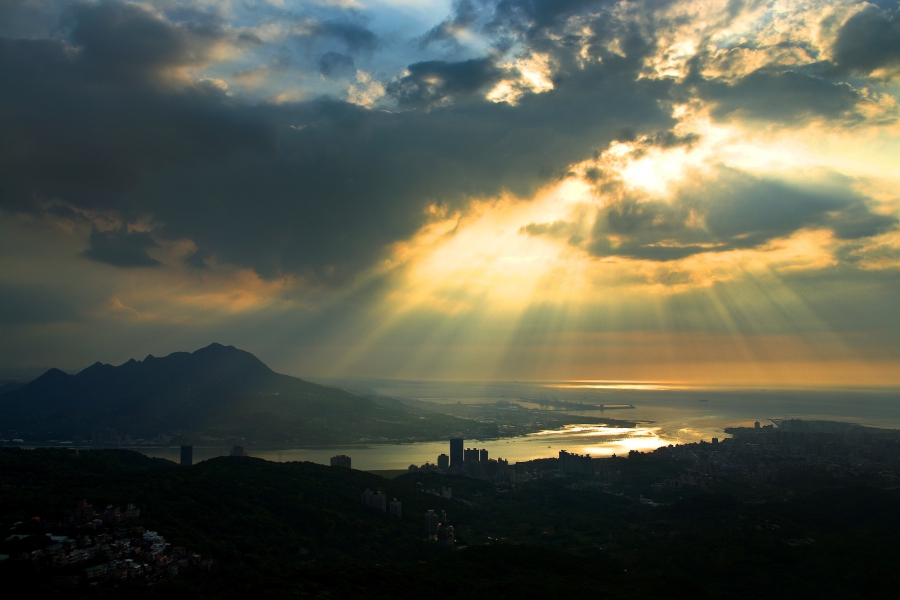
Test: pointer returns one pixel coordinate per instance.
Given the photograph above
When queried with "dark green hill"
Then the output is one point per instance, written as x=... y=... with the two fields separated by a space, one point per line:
x=227 y=507
x=217 y=392
x=299 y=530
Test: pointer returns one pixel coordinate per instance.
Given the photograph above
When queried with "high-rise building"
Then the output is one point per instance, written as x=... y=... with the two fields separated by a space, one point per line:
x=397 y=509
x=432 y=523
x=84 y=512
x=456 y=452
x=470 y=455
x=575 y=463
x=378 y=500
x=187 y=455
x=483 y=455
x=341 y=460
x=443 y=462
x=238 y=451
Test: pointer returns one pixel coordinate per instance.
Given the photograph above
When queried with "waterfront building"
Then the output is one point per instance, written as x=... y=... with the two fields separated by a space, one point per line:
x=456 y=452
x=443 y=462
x=580 y=464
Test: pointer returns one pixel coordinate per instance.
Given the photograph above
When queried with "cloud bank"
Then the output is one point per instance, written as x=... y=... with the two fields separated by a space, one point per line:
x=300 y=155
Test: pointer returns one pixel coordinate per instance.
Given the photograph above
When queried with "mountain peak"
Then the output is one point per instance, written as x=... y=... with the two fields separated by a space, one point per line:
x=53 y=375
x=216 y=347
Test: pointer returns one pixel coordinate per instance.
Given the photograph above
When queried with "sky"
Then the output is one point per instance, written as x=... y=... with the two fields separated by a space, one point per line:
x=650 y=190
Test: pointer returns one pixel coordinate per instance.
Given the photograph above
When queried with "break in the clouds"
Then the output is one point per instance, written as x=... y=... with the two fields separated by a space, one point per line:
x=726 y=211
x=314 y=160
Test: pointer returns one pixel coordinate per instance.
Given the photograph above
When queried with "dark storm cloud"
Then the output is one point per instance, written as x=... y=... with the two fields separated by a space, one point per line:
x=539 y=23
x=869 y=40
x=670 y=139
x=463 y=14
x=318 y=187
x=537 y=15
x=781 y=96
x=334 y=63
x=121 y=248
x=68 y=138
x=437 y=81
x=734 y=211
x=31 y=18
x=512 y=16
x=124 y=42
x=103 y=121
x=356 y=37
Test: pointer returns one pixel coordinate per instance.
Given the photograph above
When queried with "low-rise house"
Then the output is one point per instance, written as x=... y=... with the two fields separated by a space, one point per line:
x=96 y=572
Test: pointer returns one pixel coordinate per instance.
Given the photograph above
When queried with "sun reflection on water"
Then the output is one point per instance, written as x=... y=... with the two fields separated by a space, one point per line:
x=618 y=385
x=601 y=440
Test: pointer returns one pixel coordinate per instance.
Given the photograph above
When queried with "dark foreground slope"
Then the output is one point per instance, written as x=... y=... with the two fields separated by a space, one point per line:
x=217 y=393
x=299 y=530
x=282 y=531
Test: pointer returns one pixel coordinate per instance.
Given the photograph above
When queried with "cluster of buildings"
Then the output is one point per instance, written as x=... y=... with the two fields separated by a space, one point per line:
x=379 y=500
x=579 y=464
x=781 y=452
x=113 y=554
x=475 y=462
x=471 y=462
x=438 y=529
x=84 y=515
x=436 y=525
x=787 y=452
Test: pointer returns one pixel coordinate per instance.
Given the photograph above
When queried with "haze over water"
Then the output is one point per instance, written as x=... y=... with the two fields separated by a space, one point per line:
x=665 y=413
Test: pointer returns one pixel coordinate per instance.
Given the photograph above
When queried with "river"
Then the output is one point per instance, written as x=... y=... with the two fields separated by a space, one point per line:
x=665 y=414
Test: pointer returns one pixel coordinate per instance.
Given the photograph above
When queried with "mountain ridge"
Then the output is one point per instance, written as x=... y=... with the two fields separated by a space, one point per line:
x=217 y=392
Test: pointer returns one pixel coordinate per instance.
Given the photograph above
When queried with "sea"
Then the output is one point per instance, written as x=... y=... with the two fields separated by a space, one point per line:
x=660 y=413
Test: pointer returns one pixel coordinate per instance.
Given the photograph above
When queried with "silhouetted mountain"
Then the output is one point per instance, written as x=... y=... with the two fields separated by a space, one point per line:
x=7 y=386
x=216 y=392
